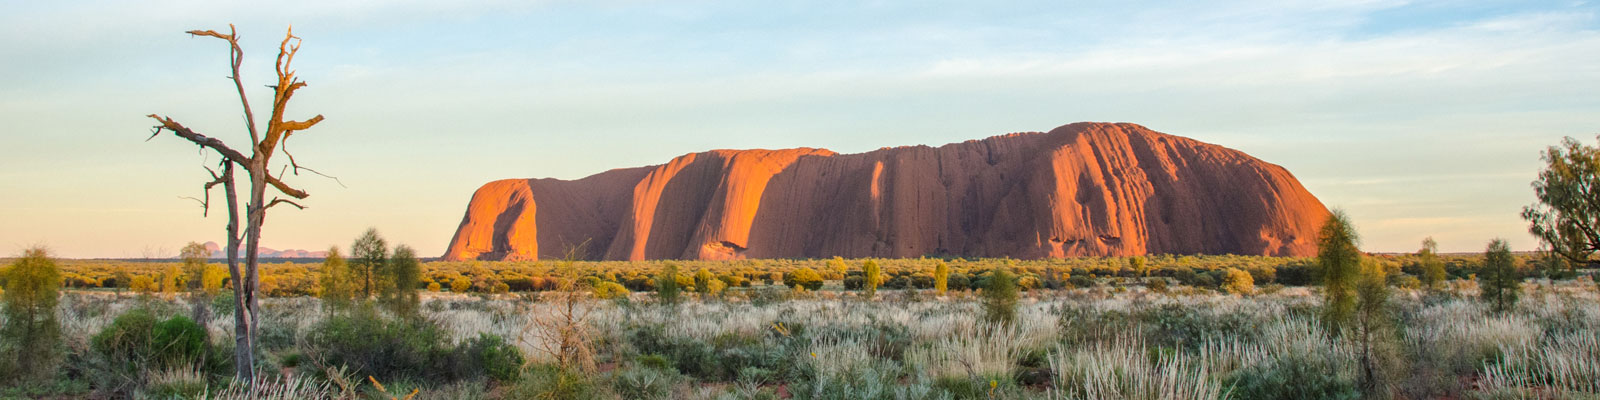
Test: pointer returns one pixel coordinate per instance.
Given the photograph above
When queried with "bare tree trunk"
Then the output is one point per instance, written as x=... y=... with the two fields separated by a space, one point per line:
x=247 y=282
x=243 y=330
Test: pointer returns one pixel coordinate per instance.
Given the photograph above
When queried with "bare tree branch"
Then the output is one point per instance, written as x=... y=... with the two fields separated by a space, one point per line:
x=297 y=167
x=204 y=141
x=277 y=201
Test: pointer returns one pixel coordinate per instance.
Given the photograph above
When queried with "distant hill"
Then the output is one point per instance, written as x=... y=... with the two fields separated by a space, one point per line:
x=216 y=252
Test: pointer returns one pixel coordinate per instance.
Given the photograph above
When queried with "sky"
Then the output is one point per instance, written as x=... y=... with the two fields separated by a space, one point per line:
x=1419 y=118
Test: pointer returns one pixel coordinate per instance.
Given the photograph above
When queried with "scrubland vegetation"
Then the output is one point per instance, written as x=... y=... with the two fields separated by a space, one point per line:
x=300 y=278
x=1103 y=332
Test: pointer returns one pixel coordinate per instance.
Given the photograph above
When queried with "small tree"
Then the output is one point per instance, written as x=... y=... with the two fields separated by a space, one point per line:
x=31 y=334
x=1566 y=218
x=369 y=256
x=1139 y=266
x=667 y=285
x=1432 y=267
x=1372 y=325
x=1237 y=281
x=1341 y=266
x=873 y=277
x=336 y=282
x=1000 y=296
x=405 y=275
x=194 y=257
x=1499 y=280
x=941 y=277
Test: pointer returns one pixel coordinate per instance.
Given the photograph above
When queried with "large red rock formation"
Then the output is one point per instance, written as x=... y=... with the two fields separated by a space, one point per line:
x=1085 y=189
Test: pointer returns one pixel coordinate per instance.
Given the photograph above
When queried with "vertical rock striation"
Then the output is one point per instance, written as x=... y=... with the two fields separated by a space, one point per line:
x=1085 y=189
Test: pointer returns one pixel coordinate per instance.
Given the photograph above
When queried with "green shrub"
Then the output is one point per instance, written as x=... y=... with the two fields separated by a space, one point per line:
x=387 y=349
x=1292 y=377
x=222 y=303
x=1000 y=296
x=639 y=382
x=489 y=356
x=545 y=381
x=128 y=336
x=656 y=361
x=136 y=341
x=667 y=287
x=179 y=339
x=1081 y=281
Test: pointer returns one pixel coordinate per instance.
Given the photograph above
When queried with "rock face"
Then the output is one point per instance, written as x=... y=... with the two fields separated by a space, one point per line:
x=1085 y=189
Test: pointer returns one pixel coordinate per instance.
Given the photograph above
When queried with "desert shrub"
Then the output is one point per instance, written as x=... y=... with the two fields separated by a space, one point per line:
x=137 y=341
x=1262 y=276
x=641 y=382
x=1158 y=285
x=719 y=359
x=959 y=282
x=610 y=290
x=667 y=287
x=1292 y=377
x=898 y=282
x=546 y=381
x=1081 y=281
x=222 y=303
x=1297 y=274
x=803 y=277
x=488 y=356
x=854 y=282
x=1182 y=326
x=941 y=277
x=1405 y=281
x=387 y=349
x=460 y=285
x=179 y=339
x=31 y=335
x=1000 y=296
x=1237 y=281
x=1184 y=275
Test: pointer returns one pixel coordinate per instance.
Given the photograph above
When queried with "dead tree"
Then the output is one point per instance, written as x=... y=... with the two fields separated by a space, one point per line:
x=246 y=281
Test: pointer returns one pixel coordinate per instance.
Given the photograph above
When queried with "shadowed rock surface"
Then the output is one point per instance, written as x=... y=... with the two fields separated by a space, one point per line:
x=1085 y=189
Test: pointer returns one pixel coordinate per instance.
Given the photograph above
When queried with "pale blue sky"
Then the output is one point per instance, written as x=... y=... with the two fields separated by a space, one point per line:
x=1419 y=118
